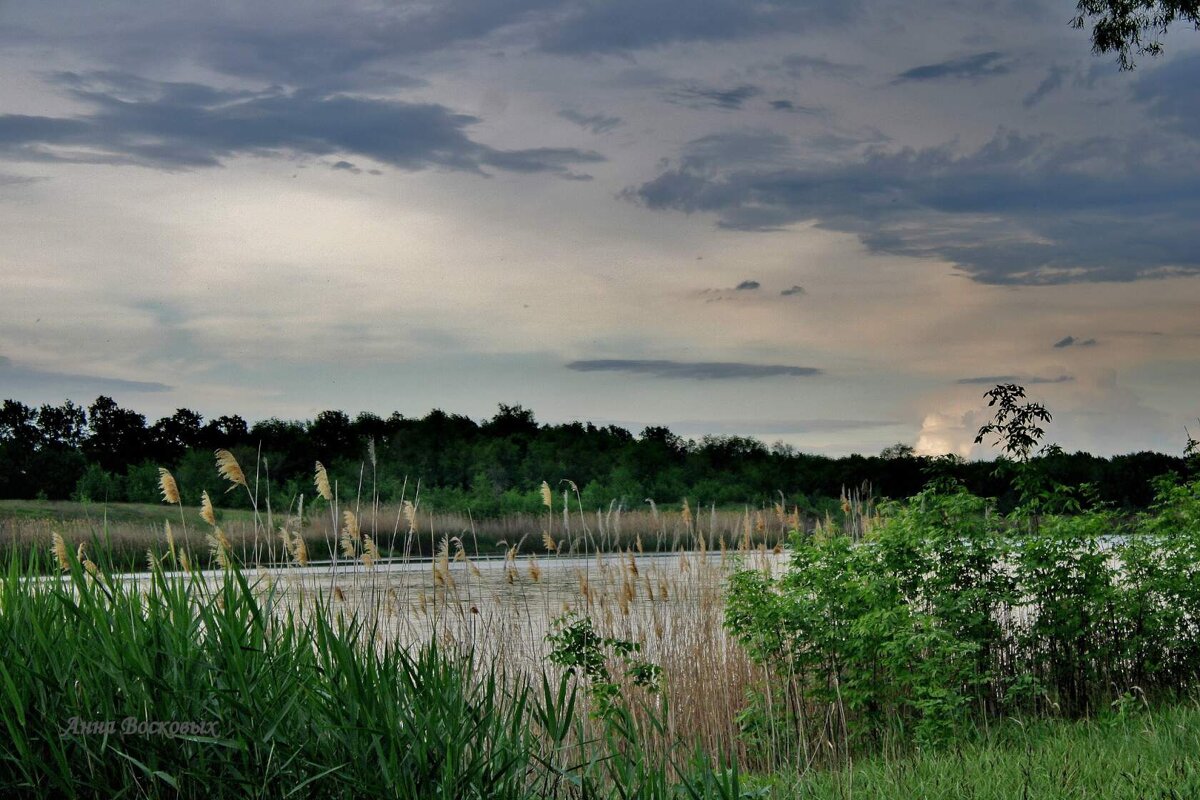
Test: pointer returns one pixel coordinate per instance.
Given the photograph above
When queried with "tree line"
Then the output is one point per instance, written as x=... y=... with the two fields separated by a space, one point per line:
x=107 y=453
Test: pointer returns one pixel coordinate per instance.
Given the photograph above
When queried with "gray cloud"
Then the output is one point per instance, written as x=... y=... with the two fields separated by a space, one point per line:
x=693 y=370
x=596 y=123
x=736 y=148
x=1018 y=210
x=186 y=125
x=747 y=286
x=23 y=379
x=1051 y=83
x=800 y=66
x=1172 y=93
x=980 y=65
x=792 y=108
x=796 y=289
x=778 y=427
x=1071 y=341
x=991 y=380
x=708 y=97
x=610 y=26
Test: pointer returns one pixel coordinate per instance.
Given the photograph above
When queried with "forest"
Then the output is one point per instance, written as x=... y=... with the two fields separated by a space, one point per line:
x=107 y=453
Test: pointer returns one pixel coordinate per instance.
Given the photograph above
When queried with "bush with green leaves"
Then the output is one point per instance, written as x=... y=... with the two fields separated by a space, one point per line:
x=948 y=609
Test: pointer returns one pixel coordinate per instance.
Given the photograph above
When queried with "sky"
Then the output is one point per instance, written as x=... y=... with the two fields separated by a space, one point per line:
x=832 y=223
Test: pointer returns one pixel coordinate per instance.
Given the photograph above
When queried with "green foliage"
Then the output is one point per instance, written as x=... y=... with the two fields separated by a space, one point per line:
x=285 y=704
x=948 y=608
x=574 y=644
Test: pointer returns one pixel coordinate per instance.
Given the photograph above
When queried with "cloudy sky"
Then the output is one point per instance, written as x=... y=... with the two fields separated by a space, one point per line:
x=829 y=222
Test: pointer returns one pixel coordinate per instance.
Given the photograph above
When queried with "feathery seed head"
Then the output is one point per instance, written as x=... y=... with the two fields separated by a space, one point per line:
x=59 y=548
x=322 y=482
x=230 y=470
x=370 y=552
x=300 y=551
x=168 y=487
x=547 y=495
x=206 y=509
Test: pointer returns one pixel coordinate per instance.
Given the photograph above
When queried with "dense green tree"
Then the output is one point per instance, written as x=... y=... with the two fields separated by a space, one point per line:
x=117 y=437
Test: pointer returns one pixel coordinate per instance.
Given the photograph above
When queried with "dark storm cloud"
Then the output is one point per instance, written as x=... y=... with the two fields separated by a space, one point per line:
x=1018 y=210
x=596 y=123
x=359 y=44
x=1071 y=341
x=748 y=286
x=17 y=378
x=992 y=380
x=980 y=65
x=331 y=46
x=186 y=125
x=794 y=290
x=709 y=97
x=692 y=370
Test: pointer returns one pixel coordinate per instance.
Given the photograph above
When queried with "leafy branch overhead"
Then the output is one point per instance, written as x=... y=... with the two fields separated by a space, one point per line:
x=1130 y=27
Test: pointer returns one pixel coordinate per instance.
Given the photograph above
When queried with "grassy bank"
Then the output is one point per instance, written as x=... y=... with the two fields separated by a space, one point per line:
x=1132 y=754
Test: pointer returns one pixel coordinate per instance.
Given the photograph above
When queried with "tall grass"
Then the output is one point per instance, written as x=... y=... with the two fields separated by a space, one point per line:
x=182 y=685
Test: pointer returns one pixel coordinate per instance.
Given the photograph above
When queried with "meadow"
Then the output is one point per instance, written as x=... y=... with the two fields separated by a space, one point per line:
x=928 y=647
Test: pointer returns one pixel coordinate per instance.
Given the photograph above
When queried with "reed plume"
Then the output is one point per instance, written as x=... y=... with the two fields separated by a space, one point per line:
x=206 y=509
x=547 y=496
x=168 y=487
x=300 y=551
x=370 y=551
x=549 y=543
x=350 y=534
x=220 y=546
x=322 y=482
x=229 y=469
x=59 y=548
